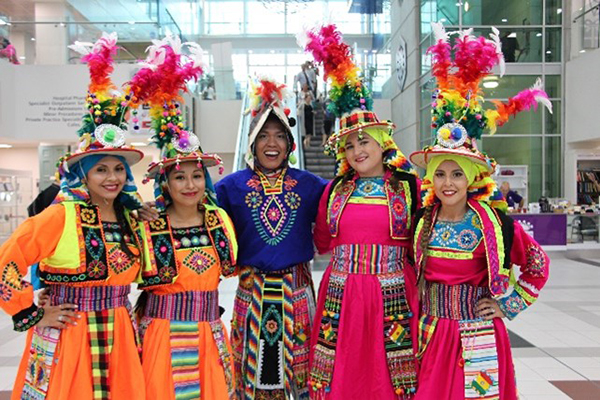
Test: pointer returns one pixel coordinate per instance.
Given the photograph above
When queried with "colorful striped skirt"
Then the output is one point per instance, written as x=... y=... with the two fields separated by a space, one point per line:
x=363 y=340
x=272 y=321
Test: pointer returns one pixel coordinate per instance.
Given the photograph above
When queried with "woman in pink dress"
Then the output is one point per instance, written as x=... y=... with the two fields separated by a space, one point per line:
x=362 y=343
x=464 y=245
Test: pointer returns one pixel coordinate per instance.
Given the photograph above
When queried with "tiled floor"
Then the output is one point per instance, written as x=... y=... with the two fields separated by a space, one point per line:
x=556 y=344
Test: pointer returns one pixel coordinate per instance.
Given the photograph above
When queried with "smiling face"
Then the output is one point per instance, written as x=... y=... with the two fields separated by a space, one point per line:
x=186 y=185
x=450 y=184
x=106 y=179
x=271 y=144
x=365 y=155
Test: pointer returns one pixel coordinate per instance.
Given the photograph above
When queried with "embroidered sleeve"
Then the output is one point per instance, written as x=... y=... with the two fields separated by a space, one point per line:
x=322 y=237
x=34 y=240
x=533 y=264
x=230 y=268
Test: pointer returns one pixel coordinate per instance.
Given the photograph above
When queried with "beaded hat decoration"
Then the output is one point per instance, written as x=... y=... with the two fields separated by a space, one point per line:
x=457 y=106
x=102 y=132
x=457 y=111
x=160 y=83
x=267 y=97
x=103 y=127
x=351 y=100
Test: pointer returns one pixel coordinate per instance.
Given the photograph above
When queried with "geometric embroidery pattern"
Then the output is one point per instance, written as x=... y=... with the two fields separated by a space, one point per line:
x=11 y=276
x=118 y=260
x=199 y=261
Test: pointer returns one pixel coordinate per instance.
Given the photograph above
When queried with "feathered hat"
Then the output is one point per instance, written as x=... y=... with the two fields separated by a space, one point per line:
x=351 y=100
x=104 y=125
x=457 y=111
x=267 y=98
x=103 y=128
x=160 y=83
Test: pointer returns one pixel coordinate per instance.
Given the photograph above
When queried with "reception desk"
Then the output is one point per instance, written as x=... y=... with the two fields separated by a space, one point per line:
x=547 y=229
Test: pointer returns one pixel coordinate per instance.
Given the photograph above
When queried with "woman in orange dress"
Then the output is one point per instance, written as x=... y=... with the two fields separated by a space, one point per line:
x=186 y=353
x=81 y=344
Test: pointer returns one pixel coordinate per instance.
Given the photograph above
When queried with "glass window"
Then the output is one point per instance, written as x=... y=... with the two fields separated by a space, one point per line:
x=297 y=17
x=518 y=151
x=496 y=87
x=520 y=45
x=266 y=59
x=427 y=133
x=552 y=185
x=224 y=17
x=553 y=45
x=552 y=86
x=553 y=121
x=261 y=19
x=346 y=22
x=525 y=123
x=274 y=72
x=446 y=11
x=426 y=93
x=240 y=67
x=505 y=12
x=554 y=12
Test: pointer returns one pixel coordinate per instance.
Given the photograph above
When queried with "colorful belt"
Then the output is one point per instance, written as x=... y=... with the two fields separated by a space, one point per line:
x=368 y=259
x=456 y=302
x=301 y=275
x=200 y=306
x=90 y=298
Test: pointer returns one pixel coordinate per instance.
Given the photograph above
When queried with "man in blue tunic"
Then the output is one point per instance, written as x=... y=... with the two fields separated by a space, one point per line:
x=272 y=207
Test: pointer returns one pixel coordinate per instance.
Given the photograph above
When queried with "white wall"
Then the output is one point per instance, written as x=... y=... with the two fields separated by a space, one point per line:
x=582 y=130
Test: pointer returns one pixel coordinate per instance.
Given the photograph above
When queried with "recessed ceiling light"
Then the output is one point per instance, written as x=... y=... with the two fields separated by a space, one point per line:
x=539 y=34
x=139 y=144
x=504 y=20
x=22 y=58
x=548 y=52
x=33 y=39
x=582 y=51
x=490 y=84
x=559 y=10
x=5 y=146
x=512 y=35
x=131 y=22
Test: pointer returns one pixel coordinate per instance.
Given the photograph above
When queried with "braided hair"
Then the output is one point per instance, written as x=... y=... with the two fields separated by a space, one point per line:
x=125 y=229
x=424 y=244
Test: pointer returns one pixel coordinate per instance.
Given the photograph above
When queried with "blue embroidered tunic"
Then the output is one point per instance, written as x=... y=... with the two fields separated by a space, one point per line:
x=273 y=223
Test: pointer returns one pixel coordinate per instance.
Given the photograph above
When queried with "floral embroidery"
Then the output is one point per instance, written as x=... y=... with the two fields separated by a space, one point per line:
x=5 y=292
x=460 y=236
x=273 y=214
x=467 y=239
x=211 y=220
x=272 y=325
x=289 y=183
x=166 y=274
x=158 y=224
x=535 y=260
x=88 y=216
x=254 y=183
x=12 y=276
x=512 y=305
x=292 y=200
x=96 y=269
x=118 y=260
x=253 y=199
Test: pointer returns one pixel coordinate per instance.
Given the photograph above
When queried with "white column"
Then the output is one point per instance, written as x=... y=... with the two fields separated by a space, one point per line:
x=51 y=39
